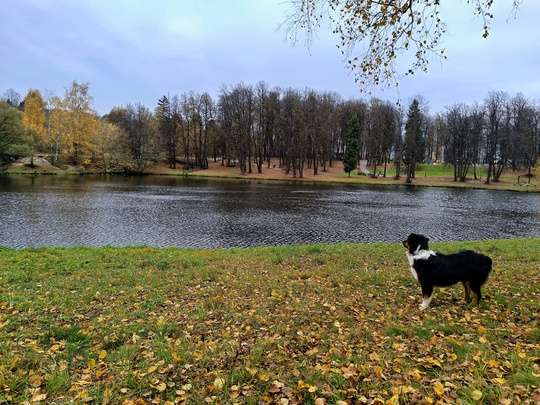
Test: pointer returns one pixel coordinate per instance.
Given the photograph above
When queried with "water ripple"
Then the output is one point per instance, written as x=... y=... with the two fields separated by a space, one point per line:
x=198 y=213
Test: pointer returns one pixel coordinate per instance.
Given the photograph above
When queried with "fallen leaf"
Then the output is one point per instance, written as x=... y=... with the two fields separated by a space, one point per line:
x=476 y=395
x=219 y=383
x=439 y=388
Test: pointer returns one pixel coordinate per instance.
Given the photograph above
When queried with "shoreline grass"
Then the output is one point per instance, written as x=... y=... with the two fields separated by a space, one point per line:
x=427 y=175
x=322 y=324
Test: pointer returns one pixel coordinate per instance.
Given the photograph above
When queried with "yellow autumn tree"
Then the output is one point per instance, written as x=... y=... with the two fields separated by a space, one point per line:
x=82 y=123
x=34 y=119
x=110 y=153
x=56 y=129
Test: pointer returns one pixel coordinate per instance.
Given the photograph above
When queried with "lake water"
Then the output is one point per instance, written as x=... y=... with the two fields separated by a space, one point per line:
x=210 y=213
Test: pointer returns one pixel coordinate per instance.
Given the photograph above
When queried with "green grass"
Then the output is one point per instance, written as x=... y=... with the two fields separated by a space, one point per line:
x=300 y=324
x=447 y=170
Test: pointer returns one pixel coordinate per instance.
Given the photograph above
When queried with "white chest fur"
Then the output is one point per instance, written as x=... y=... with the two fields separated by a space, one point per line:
x=418 y=255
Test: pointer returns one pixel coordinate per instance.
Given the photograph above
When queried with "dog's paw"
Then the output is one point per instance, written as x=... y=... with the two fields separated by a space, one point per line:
x=422 y=306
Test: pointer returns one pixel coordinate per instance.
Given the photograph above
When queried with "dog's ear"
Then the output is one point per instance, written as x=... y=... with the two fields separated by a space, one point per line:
x=406 y=244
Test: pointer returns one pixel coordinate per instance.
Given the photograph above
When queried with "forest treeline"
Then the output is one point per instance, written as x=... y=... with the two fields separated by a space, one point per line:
x=249 y=125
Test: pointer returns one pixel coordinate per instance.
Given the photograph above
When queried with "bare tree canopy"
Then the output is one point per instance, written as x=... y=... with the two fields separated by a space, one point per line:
x=373 y=34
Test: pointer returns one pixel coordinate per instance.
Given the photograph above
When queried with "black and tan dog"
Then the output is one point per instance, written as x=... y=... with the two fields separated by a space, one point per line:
x=432 y=269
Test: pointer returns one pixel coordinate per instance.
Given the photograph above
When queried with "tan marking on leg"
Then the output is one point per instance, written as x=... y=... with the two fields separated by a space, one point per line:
x=475 y=299
x=467 y=289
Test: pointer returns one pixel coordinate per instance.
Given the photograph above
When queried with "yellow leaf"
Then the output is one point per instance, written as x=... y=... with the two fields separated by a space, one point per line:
x=82 y=395
x=493 y=363
x=102 y=354
x=435 y=362
x=39 y=398
x=481 y=329
x=198 y=355
x=219 y=383
x=476 y=395
x=161 y=387
x=302 y=384
x=251 y=371
x=482 y=339
x=439 y=388
x=91 y=363
x=100 y=372
x=264 y=377
x=313 y=388
x=499 y=381
x=14 y=364
x=152 y=369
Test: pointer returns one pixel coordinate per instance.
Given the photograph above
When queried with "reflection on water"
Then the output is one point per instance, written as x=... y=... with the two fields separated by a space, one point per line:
x=203 y=213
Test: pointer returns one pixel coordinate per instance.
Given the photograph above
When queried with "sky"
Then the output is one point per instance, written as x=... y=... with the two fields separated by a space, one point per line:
x=136 y=51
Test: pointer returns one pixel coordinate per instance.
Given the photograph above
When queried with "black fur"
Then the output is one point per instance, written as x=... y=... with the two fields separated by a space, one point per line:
x=439 y=270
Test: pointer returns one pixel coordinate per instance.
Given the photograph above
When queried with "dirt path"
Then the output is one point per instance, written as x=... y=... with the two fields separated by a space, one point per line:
x=363 y=167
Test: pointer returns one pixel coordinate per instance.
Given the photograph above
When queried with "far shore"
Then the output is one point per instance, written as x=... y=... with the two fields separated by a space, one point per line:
x=512 y=181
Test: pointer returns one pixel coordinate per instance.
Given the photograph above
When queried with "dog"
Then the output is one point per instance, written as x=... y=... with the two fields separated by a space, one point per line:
x=439 y=270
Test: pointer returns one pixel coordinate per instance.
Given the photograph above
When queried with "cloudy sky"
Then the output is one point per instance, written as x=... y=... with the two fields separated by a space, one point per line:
x=138 y=50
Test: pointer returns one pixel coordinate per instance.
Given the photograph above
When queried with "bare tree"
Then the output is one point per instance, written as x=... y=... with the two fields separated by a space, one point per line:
x=236 y=108
x=294 y=132
x=140 y=135
x=261 y=123
x=383 y=125
x=496 y=142
x=372 y=35
x=459 y=149
x=207 y=118
x=12 y=98
x=328 y=122
x=523 y=151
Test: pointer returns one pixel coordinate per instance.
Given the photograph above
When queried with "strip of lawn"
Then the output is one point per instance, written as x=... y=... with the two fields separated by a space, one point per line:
x=334 y=324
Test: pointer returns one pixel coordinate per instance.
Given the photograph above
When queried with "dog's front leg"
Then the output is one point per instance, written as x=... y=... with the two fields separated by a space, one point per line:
x=426 y=301
x=427 y=295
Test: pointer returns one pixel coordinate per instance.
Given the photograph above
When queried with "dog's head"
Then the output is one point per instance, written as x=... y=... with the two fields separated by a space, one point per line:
x=415 y=243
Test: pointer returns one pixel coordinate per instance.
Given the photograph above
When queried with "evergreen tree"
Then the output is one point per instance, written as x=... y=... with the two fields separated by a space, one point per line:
x=350 y=157
x=413 y=149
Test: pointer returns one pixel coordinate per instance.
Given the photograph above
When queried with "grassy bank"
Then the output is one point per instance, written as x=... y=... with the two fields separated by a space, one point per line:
x=336 y=324
x=426 y=175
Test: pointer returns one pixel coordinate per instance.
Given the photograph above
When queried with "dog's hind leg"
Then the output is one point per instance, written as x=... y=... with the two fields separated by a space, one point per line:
x=467 y=289
x=477 y=293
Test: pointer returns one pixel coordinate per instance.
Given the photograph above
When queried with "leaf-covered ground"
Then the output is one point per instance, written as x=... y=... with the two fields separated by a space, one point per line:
x=335 y=324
